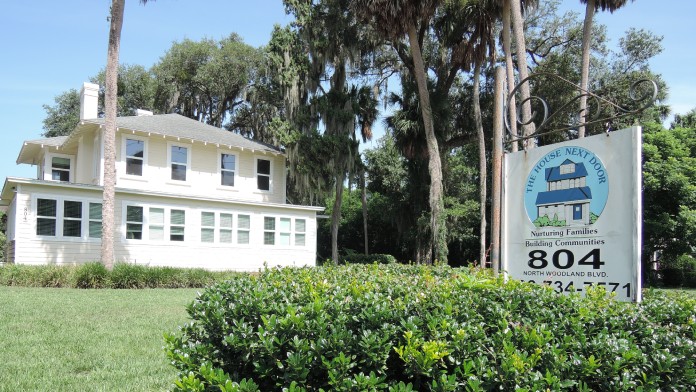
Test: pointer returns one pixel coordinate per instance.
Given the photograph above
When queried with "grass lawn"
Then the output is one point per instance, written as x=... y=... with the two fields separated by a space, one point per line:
x=87 y=340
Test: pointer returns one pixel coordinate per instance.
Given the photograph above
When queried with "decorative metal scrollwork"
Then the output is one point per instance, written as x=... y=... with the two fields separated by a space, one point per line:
x=642 y=95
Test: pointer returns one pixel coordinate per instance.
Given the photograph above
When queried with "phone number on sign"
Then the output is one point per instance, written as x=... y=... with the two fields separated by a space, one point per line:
x=570 y=287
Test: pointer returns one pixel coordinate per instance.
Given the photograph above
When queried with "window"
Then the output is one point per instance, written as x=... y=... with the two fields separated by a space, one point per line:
x=284 y=232
x=300 y=228
x=208 y=227
x=46 y=215
x=60 y=169
x=177 y=221
x=134 y=223
x=95 y=220
x=226 y=228
x=227 y=169
x=135 y=157
x=269 y=231
x=179 y=162
x=263 y=174
x=243 y=226
x=72 y=218
x=156 y=224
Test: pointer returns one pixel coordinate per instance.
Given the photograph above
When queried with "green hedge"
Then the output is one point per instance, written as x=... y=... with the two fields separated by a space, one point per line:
x=402 y=328
x=95 y=275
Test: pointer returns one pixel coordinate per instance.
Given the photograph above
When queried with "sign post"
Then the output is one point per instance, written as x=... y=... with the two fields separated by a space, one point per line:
x=572 y=214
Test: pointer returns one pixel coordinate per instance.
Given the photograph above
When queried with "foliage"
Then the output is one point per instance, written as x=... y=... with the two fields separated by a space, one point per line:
x=395 y=327
x=136 y=89
x=544 y=221
x=359 y=258
x=63 y=116
x=95 y=275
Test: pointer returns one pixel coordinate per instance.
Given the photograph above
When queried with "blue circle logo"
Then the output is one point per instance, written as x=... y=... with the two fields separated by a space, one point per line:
x=568 y=186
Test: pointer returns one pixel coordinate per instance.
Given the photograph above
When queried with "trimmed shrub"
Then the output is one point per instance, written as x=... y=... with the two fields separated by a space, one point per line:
x=91 y=276
x=357 y=258
x=129 y=276
x=401 y=328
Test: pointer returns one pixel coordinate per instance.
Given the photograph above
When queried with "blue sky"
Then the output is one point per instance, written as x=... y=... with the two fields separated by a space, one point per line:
x=49 y=47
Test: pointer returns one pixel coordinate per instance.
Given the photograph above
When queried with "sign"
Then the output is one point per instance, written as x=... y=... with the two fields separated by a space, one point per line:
x=572 y=214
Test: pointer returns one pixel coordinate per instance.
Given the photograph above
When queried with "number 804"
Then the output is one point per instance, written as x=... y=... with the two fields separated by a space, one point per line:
x=563 y=259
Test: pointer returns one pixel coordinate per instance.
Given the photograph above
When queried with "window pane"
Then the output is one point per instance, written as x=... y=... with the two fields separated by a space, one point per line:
x=284 y=224
x=179 y=154
x=178 y=217
x=61 y=163
x=95 y=229
x=178 y=172
x=45 y=226
x=243 y=222
x=269 y=238
x=157 y=216
x=135 y=148
x=299 y=239
x=207 y=219
x=227 y=162
x=134 y=167
x=284 y=239
x=72 y=209
x=157 y=233
x=263 y=166
x=72 y=228
x=268 y=223
x=134 y=214
x=242 y=237
x=227 y=178
x=226 y=236
x=134 y=231
x=207 y=235
x=46 y=207
x=263 y=183
x=176 y=233
x=60 y=175
x=300 y=225
x=226 y=220
x=95 y=211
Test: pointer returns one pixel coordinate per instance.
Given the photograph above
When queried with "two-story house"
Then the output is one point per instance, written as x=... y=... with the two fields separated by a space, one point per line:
x=567 y=196
x=187 y=195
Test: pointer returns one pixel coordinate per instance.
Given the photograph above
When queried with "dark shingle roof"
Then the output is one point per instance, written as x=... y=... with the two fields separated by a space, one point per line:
x=564 y=195
x=176 y=125
x=49 y=141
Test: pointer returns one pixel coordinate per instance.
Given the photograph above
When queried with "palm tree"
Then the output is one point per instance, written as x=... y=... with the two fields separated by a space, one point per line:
x=509 y=72
x=591 y=7
x=518 y=30
x=110 y=109
x=393 y=19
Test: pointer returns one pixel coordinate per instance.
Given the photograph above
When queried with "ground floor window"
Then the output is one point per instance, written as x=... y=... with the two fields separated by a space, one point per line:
x=284 y=231
x=67 y=218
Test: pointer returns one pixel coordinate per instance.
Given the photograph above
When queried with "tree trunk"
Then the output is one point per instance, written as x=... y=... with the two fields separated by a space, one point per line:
x=110 y=106
x=585 y=70
x=518 y=27
x=336 y=216
x=496 y=168
x=510 y=72
x=438 y=240
x=364 y=211
x=482 y=161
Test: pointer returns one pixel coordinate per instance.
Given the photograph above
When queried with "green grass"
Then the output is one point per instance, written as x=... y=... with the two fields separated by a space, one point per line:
x=87 y=340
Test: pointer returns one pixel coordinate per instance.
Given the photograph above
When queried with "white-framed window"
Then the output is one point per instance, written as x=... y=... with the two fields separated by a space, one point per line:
x=134 y=152
x=269 y=228
x=243 y=228
x=208 y=226
x=228 y=168
x=281 y=231
x=134 y=222
x=284 y=231
x=155 y=224
x=263 y=174
x=179 y=158
x=67 y=218
x=177 y=225
x=300 y=232
x=60 y=168
x=226 y=227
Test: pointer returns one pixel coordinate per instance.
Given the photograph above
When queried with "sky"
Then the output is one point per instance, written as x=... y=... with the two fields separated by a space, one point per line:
x=49 y=47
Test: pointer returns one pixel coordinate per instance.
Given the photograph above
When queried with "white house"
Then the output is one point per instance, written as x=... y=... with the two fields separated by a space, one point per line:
x=187 y=195
x=567 y=196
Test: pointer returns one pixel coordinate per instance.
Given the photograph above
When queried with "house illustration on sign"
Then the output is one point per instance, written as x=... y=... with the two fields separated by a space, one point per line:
x=566 y=201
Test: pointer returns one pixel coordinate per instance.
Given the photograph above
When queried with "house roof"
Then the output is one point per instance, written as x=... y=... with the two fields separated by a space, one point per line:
x=554 y=173
x=564 y=195
x=176 y=125
x=31 y=148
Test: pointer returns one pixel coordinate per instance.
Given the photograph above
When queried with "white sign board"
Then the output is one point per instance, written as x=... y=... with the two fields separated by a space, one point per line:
x=572 y=214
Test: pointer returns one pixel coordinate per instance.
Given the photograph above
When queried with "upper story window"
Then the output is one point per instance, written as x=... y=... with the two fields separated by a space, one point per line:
x=228 y=168
x=179 y=162
x=263 y=174
x=60 y=169
x=135 y=156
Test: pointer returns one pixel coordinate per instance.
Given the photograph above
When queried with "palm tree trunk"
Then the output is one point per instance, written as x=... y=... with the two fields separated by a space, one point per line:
x=482 y=161
x=438 y=241
x=510 y=73
x=585 y=70
x=364 y=211
x=110 y=104
x=518 y=27
x=336 y=216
